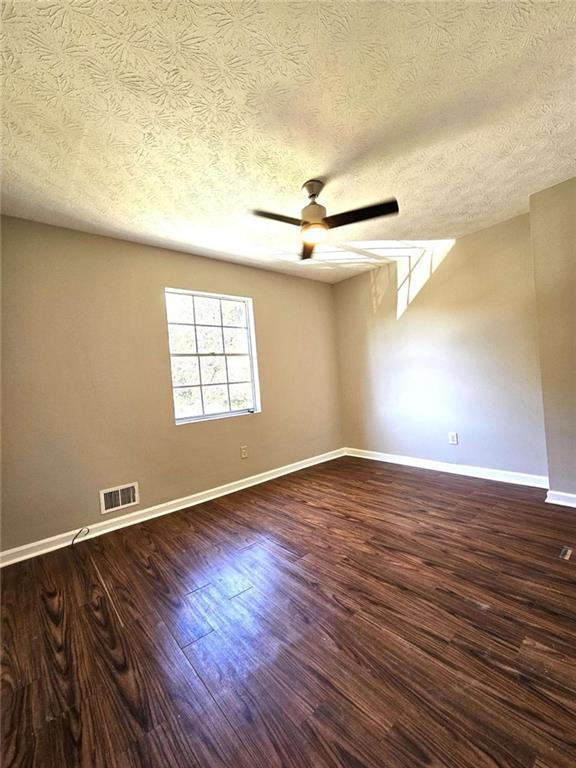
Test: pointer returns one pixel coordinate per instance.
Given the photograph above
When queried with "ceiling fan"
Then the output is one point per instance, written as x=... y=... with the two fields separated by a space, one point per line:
x=314 y=224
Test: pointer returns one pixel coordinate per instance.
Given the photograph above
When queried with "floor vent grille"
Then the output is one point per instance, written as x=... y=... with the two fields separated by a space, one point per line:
x=565 y=553
x=119 y=497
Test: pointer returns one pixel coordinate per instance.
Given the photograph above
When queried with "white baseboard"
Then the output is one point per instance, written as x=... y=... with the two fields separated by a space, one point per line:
x=561 y=498
x=36 y=548
x=501 y=475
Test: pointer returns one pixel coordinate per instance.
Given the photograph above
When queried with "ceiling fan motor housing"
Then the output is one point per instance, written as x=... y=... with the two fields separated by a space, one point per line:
x=313 y=213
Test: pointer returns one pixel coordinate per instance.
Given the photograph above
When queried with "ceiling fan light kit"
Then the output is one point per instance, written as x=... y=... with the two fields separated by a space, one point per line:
x=314 y=224
x=314 y=233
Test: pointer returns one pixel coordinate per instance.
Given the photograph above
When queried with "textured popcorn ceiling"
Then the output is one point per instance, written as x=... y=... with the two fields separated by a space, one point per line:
x=164 y=122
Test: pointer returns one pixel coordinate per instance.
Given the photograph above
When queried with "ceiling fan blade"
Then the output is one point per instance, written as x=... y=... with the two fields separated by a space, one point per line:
x=277 y=217
x=307 y=250
x=361 y=214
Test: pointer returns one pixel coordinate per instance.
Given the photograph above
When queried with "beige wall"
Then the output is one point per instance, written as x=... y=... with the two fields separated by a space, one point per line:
x=463 y=357
x=86 y=382
x=87 y=397
x=553 y=231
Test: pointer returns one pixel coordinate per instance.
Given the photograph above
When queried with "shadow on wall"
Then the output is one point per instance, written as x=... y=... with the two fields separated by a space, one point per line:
x=414 y=268
x=397 y=377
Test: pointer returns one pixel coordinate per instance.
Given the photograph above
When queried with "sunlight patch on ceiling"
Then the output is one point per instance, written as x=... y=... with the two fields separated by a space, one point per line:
x=415 y=260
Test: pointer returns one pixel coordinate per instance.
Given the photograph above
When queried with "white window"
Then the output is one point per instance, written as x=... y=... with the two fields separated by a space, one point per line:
x=212 y=355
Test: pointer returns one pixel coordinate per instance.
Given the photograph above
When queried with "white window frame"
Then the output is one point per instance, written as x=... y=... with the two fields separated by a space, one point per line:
x=251 y=355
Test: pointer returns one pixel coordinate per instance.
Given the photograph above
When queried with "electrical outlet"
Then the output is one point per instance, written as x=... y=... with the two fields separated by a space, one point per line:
x=243 y=451
x=453 y=438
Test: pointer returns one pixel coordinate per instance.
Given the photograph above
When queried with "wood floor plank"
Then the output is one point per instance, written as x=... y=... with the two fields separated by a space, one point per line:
x=351 y=615
x=199 y=736
x=66 y=653
x=20 y=626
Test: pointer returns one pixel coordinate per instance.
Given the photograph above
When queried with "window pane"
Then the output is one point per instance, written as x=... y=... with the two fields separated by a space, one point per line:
x=185 y=371
x=233 y=313
x=215 y=399
x=179 y=308
x=209 y=340
x=213 y=370
x=239 y=368
x=210 y=355
x=241 y=397
x=187 y=402
x=182 y=339
x=236 y=340
x=207 y=310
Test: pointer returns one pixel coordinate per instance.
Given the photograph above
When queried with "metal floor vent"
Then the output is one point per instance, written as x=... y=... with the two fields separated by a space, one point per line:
x=119 y=497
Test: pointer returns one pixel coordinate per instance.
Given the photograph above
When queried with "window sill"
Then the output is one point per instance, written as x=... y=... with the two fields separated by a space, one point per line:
x=212 y=417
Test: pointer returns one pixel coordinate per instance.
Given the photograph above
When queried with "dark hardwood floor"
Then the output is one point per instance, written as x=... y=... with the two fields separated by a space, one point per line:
x=353 y=614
